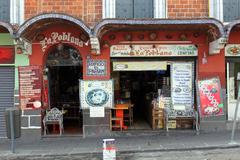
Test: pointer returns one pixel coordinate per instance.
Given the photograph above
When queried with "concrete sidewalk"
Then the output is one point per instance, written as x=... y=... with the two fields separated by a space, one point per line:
x=126 y=142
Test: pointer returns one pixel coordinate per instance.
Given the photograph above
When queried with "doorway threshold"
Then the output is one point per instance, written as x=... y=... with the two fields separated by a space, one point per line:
x=61 y=136
x=148 y=132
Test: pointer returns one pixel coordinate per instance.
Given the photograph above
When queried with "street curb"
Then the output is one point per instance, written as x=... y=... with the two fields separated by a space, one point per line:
x=183 y=149
x=19 y=155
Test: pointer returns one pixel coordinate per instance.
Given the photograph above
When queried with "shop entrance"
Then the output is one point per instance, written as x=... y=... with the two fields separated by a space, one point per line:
x=152 y=88
x=140 y=88
x=64 y=69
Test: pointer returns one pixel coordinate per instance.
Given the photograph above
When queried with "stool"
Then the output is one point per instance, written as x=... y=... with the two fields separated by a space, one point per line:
x=118 y=122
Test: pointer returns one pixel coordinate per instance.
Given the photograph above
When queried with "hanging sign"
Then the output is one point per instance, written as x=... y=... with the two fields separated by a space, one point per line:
x=153 y=51
x=96 y=93
x=96 y=67
x=56 y=37
x=210 y=97
x=232 y=50
x=181 y=87
x=30 y=87
x=6 y=55
x=139 y=66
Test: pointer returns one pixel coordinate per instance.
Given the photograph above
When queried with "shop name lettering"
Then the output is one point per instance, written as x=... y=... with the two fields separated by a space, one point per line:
x=154 y=52
x=159 y=51
x=58 y=37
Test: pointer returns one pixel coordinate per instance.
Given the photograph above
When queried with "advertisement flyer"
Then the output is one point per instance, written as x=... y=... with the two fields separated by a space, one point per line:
x=181 y=86
x=210 y=97
x=30 y=84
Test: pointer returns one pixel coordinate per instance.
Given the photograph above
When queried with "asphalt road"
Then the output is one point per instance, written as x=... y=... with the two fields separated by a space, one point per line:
x=220 y=154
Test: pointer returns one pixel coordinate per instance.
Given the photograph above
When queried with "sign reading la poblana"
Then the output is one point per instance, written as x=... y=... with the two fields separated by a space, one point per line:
x=56 y=37
x=153 y=51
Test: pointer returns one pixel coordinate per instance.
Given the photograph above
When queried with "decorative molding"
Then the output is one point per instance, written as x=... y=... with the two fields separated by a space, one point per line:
x=95 y=45
x=216 y=9
x=130 y=22
x=8 y=26
x=217 y=45
x=17 y=11
x=230 y=26
x=160 y=8
x=108 y=8
x=24 y=27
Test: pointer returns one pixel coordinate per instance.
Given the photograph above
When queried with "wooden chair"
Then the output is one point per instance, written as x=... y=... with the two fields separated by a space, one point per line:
x=115 y=122
x=157 y=118
x=131 y=114
x=53 y=117
x=128 y=115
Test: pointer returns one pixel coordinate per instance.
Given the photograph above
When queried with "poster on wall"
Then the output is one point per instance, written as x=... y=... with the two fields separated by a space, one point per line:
x=96 y=93
x=96 y=67
x=210 y=97
x=30 y=87
x=182 y=89
x=97 y=112
x=232 y=50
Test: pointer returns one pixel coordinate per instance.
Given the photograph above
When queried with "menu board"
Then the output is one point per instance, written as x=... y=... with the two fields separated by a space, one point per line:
x=210 y=97
x=30 y=86
x=182 y=88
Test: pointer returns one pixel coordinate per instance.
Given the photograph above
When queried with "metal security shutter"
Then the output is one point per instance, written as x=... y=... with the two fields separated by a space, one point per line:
x=6 y=94
x=231 y=10
x=124 y=8
x=143 y=8
x=5 y=10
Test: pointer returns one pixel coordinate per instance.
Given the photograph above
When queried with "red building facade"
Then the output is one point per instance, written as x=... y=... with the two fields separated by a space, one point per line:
x=64 y=45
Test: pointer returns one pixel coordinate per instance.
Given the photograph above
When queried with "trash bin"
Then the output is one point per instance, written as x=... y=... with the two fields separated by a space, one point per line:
x=16 y=113
x=109 y=149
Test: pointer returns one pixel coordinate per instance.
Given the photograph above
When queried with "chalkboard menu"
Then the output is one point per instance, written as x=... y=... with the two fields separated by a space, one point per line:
x=29 y=86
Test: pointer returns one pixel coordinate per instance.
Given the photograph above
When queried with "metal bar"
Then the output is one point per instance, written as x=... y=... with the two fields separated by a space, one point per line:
x=235 y=121
x=197 y=123
x=166 y=116
x=12 y=132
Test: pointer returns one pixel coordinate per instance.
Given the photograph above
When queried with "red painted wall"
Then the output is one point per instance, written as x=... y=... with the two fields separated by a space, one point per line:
x=38 y=55
x=234 y=37
x=214 y=67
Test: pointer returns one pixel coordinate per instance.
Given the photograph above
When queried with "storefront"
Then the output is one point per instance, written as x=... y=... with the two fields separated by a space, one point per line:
x=156 y=64
x=6 y=72
x=138 y=67
x=60 y=51
x=232 y=53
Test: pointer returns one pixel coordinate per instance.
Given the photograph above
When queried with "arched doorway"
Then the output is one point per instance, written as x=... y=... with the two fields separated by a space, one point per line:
x=64 y=69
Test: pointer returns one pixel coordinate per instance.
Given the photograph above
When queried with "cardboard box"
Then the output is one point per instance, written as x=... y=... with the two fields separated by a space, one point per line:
x=172 y=124
x=160 y=124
